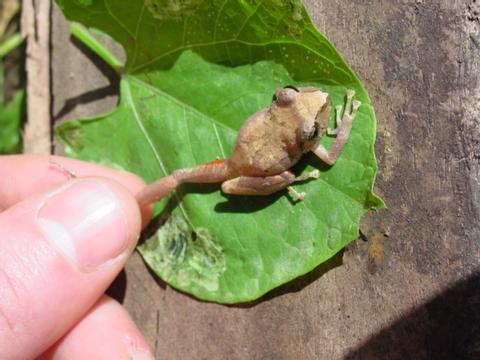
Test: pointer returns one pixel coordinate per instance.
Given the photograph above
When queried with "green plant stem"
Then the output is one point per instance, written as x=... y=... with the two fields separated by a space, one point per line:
x=9 y=44
x=82 y=34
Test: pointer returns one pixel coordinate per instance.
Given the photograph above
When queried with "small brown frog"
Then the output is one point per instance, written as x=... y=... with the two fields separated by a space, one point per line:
x=269 y=143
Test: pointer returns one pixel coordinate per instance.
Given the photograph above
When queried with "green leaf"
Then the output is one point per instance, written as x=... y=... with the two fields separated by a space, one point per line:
x=195 y=71
x=10 y=44
x=88 y=39
x=10 y=113
x=10 y=120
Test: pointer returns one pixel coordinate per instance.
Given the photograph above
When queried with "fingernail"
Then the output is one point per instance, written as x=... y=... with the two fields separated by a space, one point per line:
x=140 y=354
x=86 y=221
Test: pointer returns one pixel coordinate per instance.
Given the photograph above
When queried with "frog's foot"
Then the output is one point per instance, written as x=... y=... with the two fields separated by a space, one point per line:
x=295 y=195
x=344 y=124
x=350 y=110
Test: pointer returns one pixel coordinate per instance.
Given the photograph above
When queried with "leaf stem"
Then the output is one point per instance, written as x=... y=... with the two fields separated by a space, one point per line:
x=10 y=44
x=82 y=34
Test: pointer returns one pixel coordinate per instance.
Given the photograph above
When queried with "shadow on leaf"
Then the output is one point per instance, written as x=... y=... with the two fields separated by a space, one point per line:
x=247 y=204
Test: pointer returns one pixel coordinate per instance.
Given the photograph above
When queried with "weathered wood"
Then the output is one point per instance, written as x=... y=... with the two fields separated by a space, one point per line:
x=411 y=290
x=82 y=84
x=36 y=30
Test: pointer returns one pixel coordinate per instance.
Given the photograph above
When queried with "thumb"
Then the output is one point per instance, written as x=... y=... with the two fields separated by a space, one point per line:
x=59 y=251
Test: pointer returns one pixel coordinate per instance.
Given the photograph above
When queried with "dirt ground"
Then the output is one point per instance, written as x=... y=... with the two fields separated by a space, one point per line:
x=410 y=287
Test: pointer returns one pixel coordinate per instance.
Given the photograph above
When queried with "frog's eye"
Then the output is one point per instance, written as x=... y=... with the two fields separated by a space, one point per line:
x=285 y=96
x=291 y=87
x=274 y=98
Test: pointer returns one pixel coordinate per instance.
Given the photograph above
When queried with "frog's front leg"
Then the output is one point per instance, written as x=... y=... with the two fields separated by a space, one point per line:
x=342 y=131
x=250 y=185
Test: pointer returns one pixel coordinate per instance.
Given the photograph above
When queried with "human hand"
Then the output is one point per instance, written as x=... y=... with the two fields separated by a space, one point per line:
x=61 y=244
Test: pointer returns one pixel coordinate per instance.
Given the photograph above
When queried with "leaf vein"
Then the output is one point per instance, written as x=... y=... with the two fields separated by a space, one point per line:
x=107 y=6
x=199 y=45
x=128 y=96
x=220 y=145
x=217 y=20
x=247 y=19
x=189 y=139
x=137 y=28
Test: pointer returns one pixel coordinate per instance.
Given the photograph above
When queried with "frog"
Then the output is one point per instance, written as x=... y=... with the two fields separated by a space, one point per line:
x=268 y=145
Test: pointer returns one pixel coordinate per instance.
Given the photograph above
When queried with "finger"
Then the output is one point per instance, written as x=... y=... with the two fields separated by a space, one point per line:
x=24 y=175
x=106 y=332
x=59 y=252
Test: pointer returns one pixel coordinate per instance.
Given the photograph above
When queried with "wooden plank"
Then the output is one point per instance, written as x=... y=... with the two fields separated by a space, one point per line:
x=411 y=289
x=82 y=84
x=36 y=30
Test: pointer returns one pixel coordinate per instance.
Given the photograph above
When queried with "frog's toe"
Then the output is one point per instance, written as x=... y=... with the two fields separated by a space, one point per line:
x=331 y=131
x=355 y=106
x=296 y=195
x=351 y=106
x=315 y=174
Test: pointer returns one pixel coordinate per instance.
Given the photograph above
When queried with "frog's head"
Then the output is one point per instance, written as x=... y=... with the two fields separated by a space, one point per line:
x=310 y=107
x=308 y=102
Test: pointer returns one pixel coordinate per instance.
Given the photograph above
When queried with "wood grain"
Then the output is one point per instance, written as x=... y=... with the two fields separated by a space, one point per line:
x=410 y=288
x=36 y=30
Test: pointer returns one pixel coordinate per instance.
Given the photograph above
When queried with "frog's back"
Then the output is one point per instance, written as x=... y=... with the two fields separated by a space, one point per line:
x=266 y=145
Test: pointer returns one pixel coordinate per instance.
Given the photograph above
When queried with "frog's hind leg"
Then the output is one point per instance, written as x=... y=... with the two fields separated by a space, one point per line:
x=212 y=172
x=342 y=131
x=250 y=185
